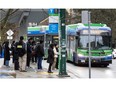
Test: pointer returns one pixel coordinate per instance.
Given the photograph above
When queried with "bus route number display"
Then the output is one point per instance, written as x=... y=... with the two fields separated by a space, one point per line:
x=95 y=32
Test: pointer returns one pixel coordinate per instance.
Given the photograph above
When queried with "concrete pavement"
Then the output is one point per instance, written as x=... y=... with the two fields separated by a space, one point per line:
x=34 y=73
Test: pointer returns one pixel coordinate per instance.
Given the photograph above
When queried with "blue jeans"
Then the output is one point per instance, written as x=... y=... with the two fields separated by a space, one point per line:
x=39 y=62
x=7 y=62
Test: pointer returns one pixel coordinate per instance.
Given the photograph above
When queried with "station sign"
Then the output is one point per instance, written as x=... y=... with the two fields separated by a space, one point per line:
x=38 y=30
x=53 y=21
x=51 y=11
x=53 y=28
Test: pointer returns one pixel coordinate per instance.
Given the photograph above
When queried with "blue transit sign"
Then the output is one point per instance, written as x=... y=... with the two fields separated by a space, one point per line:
x=33 y=32
x=37 y=30
x=51 y=11
x=53 y=28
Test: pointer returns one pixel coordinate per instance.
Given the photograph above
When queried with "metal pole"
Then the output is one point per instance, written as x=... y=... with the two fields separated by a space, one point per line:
x=89 y=45
x=9 y=43
x=44 y=40
x=45 y=43
x=62 y=67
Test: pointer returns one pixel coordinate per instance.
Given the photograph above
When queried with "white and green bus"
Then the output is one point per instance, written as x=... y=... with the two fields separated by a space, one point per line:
x=100 y=40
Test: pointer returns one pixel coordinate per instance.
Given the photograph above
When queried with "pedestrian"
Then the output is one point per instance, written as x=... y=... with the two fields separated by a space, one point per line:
x=3 y=47
x=0 y=51
x=7 y=53
x=50 y=58
x=29 y=52
x=12 y=49
x=40 y=53
x=21 y=49
x=34 y=57
x=55 y=57
x=16 y=57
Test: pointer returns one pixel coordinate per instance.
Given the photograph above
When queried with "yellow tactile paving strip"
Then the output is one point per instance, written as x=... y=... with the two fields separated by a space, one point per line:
x=46 y=73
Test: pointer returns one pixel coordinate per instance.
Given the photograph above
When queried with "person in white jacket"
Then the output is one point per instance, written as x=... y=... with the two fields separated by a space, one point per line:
x=55 y=57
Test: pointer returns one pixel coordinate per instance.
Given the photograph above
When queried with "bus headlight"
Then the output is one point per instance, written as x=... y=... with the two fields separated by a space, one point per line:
x=109 y=55
x=80 y=55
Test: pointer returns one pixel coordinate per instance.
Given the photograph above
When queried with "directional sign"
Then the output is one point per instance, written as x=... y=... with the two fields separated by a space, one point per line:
x=53 y=19
x=10 y=32
x=9 y=37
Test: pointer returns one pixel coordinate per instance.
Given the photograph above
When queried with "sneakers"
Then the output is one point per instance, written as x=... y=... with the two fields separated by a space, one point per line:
x=39 y=70
x=8 y=66
x=29 y=67
x=23 y=71
x=50 y=72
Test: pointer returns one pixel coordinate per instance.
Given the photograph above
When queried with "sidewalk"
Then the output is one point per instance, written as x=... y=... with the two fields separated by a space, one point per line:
x=34 y=73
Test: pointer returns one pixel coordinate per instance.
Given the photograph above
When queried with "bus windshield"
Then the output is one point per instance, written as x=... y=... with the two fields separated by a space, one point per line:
x=96 y=41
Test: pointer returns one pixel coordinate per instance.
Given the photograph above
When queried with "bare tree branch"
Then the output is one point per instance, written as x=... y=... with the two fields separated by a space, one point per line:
x=2 y=10
x=6 y=18
x=8 y=14
x=13 y=12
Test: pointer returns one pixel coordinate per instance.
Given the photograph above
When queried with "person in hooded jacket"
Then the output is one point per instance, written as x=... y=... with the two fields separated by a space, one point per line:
x=7 y=53
x=39 y=50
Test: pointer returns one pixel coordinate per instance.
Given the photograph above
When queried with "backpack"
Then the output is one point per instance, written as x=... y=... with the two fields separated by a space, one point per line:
x=39 y=51
x=21 y=48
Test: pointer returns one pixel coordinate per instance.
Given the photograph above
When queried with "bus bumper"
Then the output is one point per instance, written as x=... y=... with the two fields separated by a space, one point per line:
x=103 y=60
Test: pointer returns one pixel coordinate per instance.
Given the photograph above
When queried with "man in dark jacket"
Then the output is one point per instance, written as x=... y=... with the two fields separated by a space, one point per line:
x=16 y=57
x=29 y=51
x=21 y=49
x=40 y=54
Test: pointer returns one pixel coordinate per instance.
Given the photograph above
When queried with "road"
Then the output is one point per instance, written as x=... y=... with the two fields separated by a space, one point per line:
x=96 y=72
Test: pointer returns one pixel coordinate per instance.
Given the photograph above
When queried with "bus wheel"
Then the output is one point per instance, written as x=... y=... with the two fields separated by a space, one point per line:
x=74 y=62
x=105 y=65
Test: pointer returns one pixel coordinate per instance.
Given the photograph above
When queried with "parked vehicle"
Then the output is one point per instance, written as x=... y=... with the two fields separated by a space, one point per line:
x=114 y=54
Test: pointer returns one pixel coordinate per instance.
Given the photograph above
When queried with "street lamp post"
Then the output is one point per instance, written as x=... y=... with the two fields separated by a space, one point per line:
x=62 y=42
x=89 y=44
